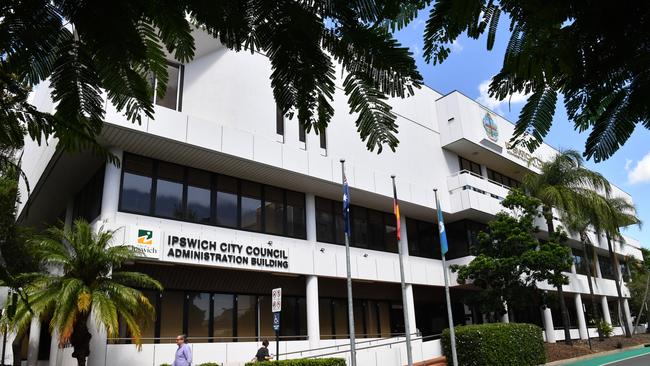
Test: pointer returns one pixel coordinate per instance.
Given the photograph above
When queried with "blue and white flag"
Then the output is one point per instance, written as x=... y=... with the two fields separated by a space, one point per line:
x=346 y=205
x=441 y=228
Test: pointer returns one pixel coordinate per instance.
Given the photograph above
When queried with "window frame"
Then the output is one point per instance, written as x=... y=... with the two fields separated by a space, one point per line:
x=214 y=177
x=179 y=87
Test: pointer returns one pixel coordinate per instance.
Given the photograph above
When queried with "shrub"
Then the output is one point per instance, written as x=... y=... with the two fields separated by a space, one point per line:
x=302 y=362
x=210 y=364
x=604 y=329
x=497 y=345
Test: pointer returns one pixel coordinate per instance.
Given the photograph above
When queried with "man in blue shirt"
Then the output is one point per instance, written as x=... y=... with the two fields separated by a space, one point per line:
x=183 y=353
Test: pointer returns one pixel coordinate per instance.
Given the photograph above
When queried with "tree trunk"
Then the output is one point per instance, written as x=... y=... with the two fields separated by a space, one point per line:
x=80 y=340
x=565 y=317
x=645 y=298
x=585 y=247
x=547 y=212
x=612 y=257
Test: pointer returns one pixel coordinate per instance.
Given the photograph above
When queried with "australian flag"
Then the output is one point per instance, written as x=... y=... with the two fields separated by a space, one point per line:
x=346 y=205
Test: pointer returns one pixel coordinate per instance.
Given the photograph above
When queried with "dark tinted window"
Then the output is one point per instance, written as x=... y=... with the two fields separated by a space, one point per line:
x=198 y=195
x=198 y=316
x=376 y=230
x=171 y=97
x=390 y=233
x=324 y=220
x=279 y=121
x=301 y=133
x=227 y=205
x=502 y=179
x=323 y=140
x=469 y=165
x=606 y=268
x=169 y=190
x=251 y=206
x=223 y=317
x=274 y=210
x=136 y=184
x=359 y=226
x=423 y=237
x=296 y=214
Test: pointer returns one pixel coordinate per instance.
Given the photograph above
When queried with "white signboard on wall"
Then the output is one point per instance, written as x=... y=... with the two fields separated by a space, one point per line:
x=145 y=241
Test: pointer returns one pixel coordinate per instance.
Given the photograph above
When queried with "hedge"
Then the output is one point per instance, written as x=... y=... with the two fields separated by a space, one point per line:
x=302 y=362
x=497 y=344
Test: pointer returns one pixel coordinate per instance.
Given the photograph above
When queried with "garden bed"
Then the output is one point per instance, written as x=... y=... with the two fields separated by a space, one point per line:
x=560 y=351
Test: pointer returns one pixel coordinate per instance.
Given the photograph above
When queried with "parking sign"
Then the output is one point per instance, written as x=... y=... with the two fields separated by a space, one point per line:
x=276 y=300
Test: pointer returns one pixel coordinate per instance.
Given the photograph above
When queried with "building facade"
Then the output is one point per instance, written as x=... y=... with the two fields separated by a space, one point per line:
x=225 y=199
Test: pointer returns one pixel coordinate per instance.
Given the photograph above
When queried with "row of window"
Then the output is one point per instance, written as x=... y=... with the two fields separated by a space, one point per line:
x=492 y=175
x=218 y=317
x=502 y=179
x=606 y=267
x=370 y=229
x=280 y=120
x=167 y=190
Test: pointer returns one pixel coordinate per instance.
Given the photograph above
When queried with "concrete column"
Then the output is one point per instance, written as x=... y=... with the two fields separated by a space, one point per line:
x=573 y=268
x=597 y=265
x=626 y=314
x=548 y=325
x=313 y=320
x=97 y=342
x=410 y=304
x=69 y=214
x=54 y=349
x=310 y=216
x=34 y=340
x=505 y=318
x=582 y=324
x=111 y=193
x=606 y=316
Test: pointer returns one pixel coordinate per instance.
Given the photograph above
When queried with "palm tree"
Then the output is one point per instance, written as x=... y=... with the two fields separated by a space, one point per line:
x=565 y=184
x=86 y=280
x=616 y=212
x=580 y=222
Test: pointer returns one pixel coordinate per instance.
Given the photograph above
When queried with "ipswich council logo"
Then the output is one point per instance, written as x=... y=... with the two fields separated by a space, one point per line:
x=145 y=237
x=491 y=128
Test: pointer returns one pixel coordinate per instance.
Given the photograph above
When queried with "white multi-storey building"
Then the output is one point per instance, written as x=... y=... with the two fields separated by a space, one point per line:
x=227 y=200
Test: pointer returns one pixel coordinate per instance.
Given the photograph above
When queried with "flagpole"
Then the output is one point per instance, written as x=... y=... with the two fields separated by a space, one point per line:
x=407 y=327
x=443 y=251
x=353 y=351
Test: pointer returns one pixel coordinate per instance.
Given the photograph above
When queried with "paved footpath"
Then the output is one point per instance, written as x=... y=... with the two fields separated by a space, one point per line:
x=635 y=357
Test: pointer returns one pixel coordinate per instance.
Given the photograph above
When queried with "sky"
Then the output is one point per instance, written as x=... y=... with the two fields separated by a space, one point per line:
x=469 y=70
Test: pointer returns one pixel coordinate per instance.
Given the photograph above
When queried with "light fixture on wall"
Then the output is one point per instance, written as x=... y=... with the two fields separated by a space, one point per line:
x=365 y=255
x=322 y=250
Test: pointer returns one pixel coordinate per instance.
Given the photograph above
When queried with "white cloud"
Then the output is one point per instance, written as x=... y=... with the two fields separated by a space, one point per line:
x=641 y=172
x=456 y=46
x=494 y=104
x=628 y=163
x=415 y=48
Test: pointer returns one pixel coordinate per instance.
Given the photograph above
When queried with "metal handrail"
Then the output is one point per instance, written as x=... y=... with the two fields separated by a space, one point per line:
x=375 y=346
x=348 y=344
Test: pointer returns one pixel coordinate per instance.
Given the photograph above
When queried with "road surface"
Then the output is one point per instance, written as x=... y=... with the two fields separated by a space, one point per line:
x=635 y=357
